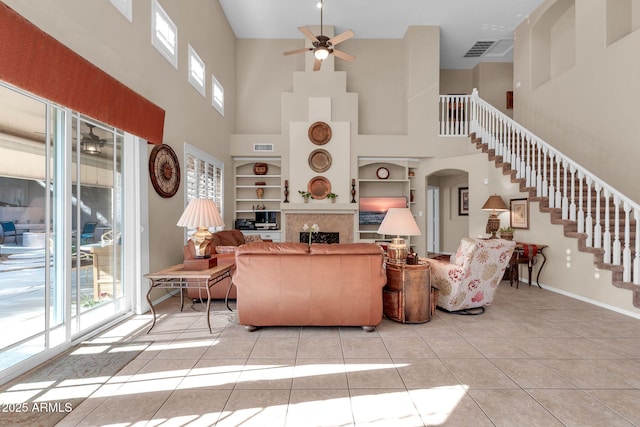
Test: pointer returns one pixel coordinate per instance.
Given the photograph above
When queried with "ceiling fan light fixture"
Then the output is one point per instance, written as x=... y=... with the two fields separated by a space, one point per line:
x=321 y=53
x=90 y=146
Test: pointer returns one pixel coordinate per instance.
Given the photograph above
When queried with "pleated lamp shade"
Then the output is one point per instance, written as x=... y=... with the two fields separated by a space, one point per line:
x=201 y=213
x=399 y=221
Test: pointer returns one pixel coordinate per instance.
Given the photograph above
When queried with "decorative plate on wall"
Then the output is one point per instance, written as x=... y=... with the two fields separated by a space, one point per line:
x=319 y=187
x=320 y=133
x=319 y=160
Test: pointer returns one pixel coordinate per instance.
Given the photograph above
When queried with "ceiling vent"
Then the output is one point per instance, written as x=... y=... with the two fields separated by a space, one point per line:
x=500 y=48
x=262 y=147
x=478 y=49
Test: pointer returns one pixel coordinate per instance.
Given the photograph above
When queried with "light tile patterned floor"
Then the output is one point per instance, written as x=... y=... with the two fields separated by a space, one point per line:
x=533 y=358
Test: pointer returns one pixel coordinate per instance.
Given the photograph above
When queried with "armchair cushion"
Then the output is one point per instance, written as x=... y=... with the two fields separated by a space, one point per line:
x=464 y=251
x=473 y=279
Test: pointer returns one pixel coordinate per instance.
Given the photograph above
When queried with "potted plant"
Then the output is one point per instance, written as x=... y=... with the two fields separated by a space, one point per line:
x=305 y=195
x=506 y=233
x=332 y=196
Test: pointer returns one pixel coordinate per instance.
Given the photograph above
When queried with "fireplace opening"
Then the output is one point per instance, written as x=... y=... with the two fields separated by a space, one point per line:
x=320 y=237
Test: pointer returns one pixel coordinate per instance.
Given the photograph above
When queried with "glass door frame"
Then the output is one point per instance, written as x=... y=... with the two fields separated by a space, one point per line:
x=57 y=333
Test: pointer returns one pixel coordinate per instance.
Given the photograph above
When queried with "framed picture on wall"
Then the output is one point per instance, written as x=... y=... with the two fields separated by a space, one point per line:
x=519 y=213
x=463 y=201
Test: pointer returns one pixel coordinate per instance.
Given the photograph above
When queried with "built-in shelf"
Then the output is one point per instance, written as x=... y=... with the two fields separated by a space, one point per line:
x=247 y=201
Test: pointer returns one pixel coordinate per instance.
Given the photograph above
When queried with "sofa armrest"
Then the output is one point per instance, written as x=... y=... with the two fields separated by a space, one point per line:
x=224 y=259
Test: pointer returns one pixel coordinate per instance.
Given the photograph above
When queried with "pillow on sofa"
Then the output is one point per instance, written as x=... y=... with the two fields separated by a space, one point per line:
x=226 y=238
x=225 y=249
x=238 y=236
x=252 y=238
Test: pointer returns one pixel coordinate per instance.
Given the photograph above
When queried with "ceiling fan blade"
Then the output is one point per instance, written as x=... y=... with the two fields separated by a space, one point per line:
x=291 y=52
x=316 y=64
x=342 y=37
x=343 y=55
x=308 y=34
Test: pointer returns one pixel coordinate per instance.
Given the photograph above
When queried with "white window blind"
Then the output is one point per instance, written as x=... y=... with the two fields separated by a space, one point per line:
x=217 y=95
x=164 y=33
x=196 y=71
x=204 y=177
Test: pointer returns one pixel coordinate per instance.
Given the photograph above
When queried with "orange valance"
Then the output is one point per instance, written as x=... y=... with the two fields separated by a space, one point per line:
x=36 y=62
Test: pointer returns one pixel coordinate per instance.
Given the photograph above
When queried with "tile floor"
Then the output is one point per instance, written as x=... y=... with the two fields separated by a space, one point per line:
x=534 y=358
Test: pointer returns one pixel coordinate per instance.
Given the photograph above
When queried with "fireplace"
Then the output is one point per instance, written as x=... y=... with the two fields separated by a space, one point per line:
x=340 y=224
x=320 y=237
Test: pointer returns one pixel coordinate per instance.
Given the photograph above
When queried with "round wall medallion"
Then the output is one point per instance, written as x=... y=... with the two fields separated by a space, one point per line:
x=319 y=160
x=319 y=133
x=382 y=173
x=164 y=170
x=319 y=187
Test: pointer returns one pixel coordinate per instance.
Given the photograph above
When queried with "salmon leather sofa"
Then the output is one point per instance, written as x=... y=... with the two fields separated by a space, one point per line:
x=296 y=284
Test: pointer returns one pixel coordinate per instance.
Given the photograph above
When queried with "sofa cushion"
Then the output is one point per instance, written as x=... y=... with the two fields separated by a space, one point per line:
x=238 y=237
x=291 y=248
x=225 y=238
x=345 y=248
x=225 y=249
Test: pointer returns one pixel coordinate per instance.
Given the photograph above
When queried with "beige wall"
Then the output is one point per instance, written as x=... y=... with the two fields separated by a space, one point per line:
x=453 y=82
x=583 y=100
x=99 y=33
x=493 y=80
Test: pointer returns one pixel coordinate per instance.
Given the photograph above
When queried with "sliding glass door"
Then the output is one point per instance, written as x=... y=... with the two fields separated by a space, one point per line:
x=62 y=216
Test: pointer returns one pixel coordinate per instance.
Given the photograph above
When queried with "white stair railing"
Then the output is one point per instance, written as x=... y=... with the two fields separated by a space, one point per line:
x=454 y=115
x=579 y=194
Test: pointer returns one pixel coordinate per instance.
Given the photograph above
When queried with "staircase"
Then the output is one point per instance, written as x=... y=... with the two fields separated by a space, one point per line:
x=588 y=209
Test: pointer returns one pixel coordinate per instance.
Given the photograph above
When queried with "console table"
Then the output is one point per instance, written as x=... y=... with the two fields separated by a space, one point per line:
x=519 y=257
x=176 y=277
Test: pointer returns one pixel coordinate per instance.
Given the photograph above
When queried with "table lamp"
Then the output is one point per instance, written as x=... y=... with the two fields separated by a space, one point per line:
x=398 y=221
x=494 y=204
x=202 y=214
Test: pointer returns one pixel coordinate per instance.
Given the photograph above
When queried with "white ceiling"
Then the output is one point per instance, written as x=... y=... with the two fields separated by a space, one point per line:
x=462 y=22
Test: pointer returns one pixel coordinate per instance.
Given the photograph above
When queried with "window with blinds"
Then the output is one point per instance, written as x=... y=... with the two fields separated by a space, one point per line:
x=204 y=177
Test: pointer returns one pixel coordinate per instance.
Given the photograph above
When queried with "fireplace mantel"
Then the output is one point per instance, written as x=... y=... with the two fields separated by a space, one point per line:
x=334 y=208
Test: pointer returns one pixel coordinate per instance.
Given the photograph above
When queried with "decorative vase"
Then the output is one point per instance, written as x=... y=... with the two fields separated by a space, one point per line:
x=506 y=236
x=333 y=200
x=306 y=199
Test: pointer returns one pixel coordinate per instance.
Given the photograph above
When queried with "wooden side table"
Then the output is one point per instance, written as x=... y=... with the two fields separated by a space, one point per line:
x=407 y=294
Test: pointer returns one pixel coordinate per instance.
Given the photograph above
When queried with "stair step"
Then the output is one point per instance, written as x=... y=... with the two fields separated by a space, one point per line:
x=570 y=227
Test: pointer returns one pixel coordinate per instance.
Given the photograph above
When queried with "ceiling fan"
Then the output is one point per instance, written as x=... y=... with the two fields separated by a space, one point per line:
x=323 y=46
x=91 y=143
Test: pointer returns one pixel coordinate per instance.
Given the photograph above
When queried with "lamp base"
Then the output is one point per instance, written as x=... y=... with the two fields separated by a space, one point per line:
x=397 y=251
x=493 y=225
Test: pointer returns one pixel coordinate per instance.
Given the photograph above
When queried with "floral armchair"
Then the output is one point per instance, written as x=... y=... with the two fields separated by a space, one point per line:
x=470 y=280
